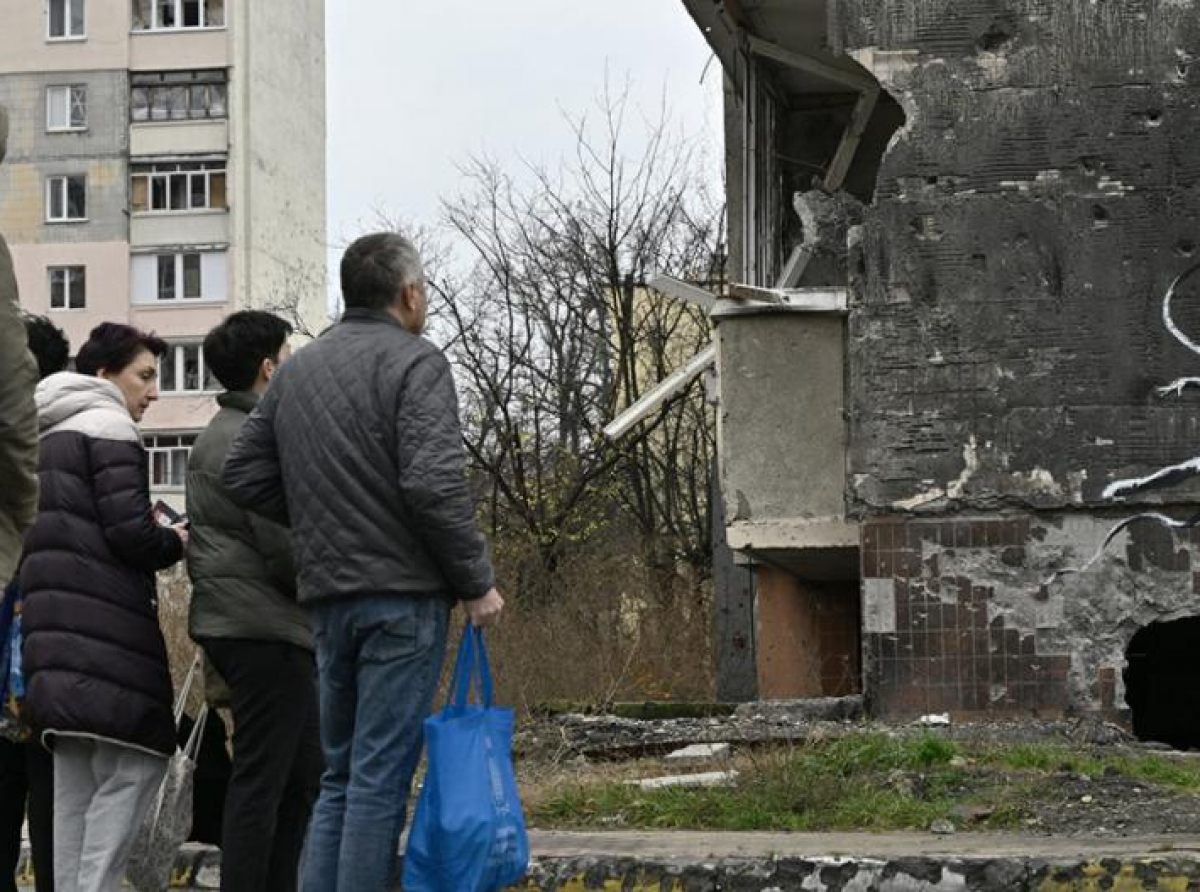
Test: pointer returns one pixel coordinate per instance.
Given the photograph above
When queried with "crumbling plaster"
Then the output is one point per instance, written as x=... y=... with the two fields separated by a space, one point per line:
x=1028 y=216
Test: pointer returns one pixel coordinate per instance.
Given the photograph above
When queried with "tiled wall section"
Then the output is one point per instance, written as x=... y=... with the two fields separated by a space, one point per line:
x=929 y=643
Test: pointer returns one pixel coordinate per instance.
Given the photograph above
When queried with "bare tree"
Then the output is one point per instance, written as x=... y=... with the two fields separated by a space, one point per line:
x=554 y=331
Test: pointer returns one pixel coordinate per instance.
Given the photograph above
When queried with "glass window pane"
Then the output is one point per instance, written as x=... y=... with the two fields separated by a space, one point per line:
x=76 y=18
x=56 y=188
x=165 y=16
x=166 y=276
x=158 y=467
x=141 y=194
x=178 y=183
x=58 y=287
x=158 y=193
x=139 y=104
x=76 y=198
x=191 y=13
x=177 y=102
x=191 y=367
x=216 y=101
x=198 y=106
x=159 y=110
x=78 y=280
x=191 y=275
x=58 y=18
x=56 y=107
x=79 y=106
x=214 y=14
x=141 y=15
x=166 y=371
x=198 y=190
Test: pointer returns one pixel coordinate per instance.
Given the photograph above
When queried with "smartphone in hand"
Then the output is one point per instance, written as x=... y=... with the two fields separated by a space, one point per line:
x=166 y=515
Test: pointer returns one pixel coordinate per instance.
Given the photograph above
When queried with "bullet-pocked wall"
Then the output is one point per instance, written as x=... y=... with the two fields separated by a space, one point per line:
x=1006 y=340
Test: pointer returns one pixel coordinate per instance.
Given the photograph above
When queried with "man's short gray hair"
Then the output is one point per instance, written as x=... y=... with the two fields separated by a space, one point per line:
x=375 y=268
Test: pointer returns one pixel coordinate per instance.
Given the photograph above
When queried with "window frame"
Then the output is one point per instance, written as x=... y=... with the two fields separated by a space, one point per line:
x=69 y=286
x=164 y=179
x=159 y=444
x=176 y=350
x=65 y=179
x=152 y=86
x=67 y=35
x=51 y=127
x=179 y=277
x=177 y=8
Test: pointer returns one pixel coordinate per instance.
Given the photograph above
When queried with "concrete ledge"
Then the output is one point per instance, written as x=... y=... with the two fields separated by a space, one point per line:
x=833 y=862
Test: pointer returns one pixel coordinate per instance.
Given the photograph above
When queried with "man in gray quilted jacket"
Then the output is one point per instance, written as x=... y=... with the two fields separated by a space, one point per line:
x=357 y=445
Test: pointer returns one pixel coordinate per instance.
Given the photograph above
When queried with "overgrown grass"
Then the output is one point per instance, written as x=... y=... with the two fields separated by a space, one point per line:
x=869 y=781
x=858 y=782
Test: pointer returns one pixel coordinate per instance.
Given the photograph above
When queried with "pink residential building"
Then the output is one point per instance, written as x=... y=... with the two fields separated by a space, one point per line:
x=166 y=167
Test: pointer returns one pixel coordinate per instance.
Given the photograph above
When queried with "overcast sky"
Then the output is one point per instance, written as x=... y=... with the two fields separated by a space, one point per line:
x=415 y=87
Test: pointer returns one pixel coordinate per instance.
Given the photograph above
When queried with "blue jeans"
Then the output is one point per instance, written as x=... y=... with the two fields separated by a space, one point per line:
x=378 y=659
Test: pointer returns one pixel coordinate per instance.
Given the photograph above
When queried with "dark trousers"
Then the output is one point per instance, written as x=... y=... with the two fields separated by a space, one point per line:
x=26 y=774
x=276 y=761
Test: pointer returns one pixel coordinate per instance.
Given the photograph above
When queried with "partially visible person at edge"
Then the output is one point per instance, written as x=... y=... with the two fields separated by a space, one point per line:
x=18 y=496
x=245 y=616
x=98 y=687
x=26 y=769
x=357 y=444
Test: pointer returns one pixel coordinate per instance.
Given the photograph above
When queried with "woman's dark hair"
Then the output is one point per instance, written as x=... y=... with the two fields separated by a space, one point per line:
x=48 y=345
x=235 y=349
x=112 y=346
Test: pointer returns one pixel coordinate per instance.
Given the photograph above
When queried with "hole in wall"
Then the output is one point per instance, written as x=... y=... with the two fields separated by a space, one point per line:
x=1160 y=682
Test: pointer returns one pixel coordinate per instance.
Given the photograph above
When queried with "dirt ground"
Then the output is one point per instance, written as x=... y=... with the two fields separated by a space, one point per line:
x=1053 y=798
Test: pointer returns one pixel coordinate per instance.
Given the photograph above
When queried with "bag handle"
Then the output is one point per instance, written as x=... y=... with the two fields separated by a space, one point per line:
x=181 y=700
x=192 y=747
x=471 y=670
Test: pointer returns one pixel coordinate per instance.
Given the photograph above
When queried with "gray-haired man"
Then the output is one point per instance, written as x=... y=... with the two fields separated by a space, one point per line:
x=357 y=444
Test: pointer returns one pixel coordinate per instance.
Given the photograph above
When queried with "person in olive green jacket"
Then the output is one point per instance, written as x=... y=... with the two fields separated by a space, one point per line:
x=18 y=416
x=245 y=617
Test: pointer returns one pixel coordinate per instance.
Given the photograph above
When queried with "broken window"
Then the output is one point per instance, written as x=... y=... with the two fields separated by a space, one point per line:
x=66 y=107
x=66 y=198
x=175 y=186
x=166 y=15
x=178 y=95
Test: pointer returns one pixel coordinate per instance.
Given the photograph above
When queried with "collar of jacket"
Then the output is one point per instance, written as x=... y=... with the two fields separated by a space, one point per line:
x=84 y=403
x=242 y=400
x=363 y=314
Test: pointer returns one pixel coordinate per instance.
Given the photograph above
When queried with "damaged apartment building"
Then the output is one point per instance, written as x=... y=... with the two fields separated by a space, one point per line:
x=952 y=227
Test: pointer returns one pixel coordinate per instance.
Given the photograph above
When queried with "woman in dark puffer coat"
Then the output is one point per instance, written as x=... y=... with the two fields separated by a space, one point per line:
x=98 y=682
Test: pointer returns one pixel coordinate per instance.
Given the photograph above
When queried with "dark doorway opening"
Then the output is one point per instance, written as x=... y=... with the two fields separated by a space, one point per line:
x=1161 y=682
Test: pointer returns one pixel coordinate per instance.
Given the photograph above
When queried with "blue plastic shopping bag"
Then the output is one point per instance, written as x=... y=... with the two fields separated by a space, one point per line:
x=468 y=834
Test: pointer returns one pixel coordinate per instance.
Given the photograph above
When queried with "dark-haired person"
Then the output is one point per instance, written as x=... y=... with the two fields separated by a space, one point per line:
x=98 y=687
x=358 y=442
x=48 y=344
x=26 y=769
x=245 y=616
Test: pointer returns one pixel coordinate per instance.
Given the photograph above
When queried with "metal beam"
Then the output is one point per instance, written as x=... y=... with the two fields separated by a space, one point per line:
x=681 y=290
x=804 y=62
x=848 y=148
x=667 y=388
